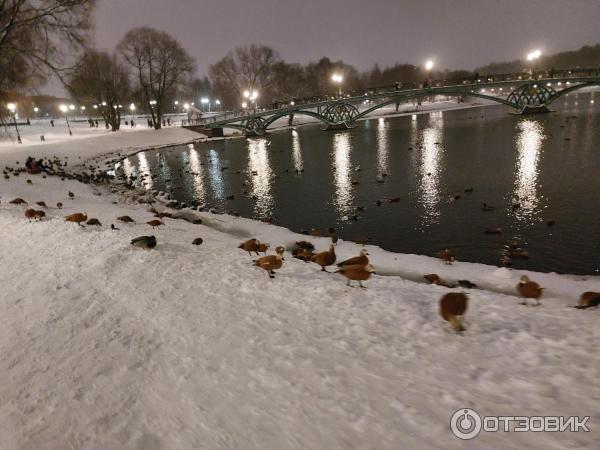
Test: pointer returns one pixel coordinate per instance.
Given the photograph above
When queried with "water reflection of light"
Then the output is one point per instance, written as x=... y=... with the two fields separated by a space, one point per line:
x=343 y=184
x=215 y=174
x=430 y=168
x=196 y=171
x=296 y=151
x=529 y=144
x=128 y=168
x=382 y=146
x=145 y=170
x=258 y=163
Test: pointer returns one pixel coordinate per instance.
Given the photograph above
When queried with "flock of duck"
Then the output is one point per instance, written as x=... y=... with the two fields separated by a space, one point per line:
x=453 y=305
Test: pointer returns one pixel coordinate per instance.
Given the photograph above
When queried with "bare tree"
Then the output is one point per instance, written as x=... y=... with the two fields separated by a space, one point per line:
x=162 y=66
x=245 y=68
x=99 y=78
x=35 y=38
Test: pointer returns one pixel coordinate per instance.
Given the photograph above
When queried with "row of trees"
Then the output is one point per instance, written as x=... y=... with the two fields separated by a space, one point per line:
x=148 y=66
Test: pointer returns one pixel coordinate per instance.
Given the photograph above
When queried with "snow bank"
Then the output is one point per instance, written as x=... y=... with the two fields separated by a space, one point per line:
x=107 y=346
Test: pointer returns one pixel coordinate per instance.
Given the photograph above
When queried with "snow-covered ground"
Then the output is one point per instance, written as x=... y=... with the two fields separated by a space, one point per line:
x=107 y=346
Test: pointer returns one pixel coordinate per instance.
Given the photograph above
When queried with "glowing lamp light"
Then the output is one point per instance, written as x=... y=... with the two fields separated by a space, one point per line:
x=72 y=107
x=103 y=103
x=204 y=100
x=533 y=55
x=292 y=103
x=337 y=78
x=176 y=102
x=82 y=108
x=428 y=64
x=244 y=105
x=11 y=107
x=246 y=94
x=132 y=107
x=63 y=108
x=218 y=102
x=36 y=109
x=186 y=106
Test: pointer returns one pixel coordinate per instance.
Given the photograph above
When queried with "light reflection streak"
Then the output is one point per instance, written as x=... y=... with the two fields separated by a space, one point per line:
x=430 y=168
x=144 y=167
x=215 y=174
x=258 y=163
x=382 y=147
x=128 y=168
x=344 y=196
x=529 y=144
x=196 y=172
x=297 y=151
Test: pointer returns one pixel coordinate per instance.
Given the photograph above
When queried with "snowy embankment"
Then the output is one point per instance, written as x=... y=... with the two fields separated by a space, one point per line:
x=182 y=346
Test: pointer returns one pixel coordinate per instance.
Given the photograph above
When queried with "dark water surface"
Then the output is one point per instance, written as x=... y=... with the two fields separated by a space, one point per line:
x=304 y=178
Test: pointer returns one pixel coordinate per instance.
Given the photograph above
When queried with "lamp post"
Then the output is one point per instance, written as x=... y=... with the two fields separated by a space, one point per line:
x=428 y=66
x=533 y=57
x=65 y=110
x=205 y=101
x=338 y=79
x=218 y=103
x=132 y=109
x=12 y=107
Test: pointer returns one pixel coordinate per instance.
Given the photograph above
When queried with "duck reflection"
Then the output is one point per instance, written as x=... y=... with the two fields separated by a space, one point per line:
x=529 y=144
x=344 y=195
x=297 y=152
x=382 y=146
x=261 y=177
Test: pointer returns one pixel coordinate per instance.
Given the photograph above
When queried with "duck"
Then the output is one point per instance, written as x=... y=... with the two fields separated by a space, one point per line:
x=452 y=307
x=39 y=214
x=125 y=219
x=529 y=289
x=18 y=201
x=270 y=263
x=77 y=218
x=144 y=242
x=588 y=299
x=93 y=221
x=467 y=284
x=447 y=256
x=197 y=241
x=362 y=259
x=434 y=278
x=303 y=254
x=356 y=272
x=251 y=245
x=59 y=205
x=486 y=207
x=30 y=214
x=41 y=204
x=263 y=247
x=493 y=230
x=155 y=223
x=326 y=258
x=71 y=195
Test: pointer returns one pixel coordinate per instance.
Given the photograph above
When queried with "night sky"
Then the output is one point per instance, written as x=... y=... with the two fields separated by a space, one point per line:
x=455 y=33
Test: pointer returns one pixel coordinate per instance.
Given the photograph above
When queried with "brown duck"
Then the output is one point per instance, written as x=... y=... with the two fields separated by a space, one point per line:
x=251 y=245
x=271 y=263
x=452 y=306
x=77 y=218
x=326 y=258
x=360 y=260
x=356 y=272
x=529 y=289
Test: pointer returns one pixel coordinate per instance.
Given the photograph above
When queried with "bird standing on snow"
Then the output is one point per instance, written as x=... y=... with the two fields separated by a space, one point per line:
x=125 y=219
x=251 y=245
x=356 y=272
x=447 y=256
x=326 y=258
x=271 y=262
x=144 y=242
x=71 y=195
x=155 y=223
x=588 y=299
x=452 y=306
x=77 y=218
x=529 y=289
x=361 y=260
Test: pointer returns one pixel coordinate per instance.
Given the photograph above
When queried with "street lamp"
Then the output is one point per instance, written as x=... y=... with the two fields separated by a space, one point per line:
x=244 y=105
x=429 y=65
x=12 y=107
x=204 y=101
x=533 y=57
x=218 y=102
x=338 y=79
x=65 y=110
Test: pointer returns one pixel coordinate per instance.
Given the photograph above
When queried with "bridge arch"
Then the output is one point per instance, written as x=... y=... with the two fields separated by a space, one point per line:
x=575 y=87
x=298 y=112
x=447 y=93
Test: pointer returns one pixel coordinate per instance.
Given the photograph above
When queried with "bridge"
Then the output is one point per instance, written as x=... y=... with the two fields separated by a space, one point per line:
x=525 y=94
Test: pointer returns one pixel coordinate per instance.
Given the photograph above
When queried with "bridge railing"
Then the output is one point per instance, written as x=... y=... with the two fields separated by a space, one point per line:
x=476 y=79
